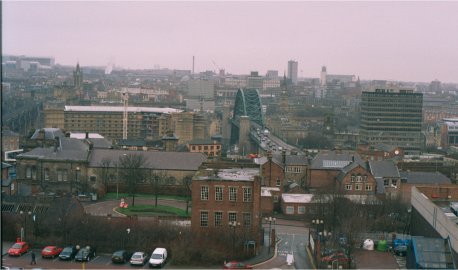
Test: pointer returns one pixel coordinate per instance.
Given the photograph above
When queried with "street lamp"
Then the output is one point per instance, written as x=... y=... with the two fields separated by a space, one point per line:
x=233 y=224
x=325 y=235
x=77 y=172
x=127 y=237
x=317 y=222
x=270 y=220
x=23 y=231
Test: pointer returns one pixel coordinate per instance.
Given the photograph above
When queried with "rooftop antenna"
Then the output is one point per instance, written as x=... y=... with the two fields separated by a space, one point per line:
x=125 y=98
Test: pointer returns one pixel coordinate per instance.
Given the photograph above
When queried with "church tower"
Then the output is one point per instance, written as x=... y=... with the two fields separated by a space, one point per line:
x=284 y=96
x=78 y=81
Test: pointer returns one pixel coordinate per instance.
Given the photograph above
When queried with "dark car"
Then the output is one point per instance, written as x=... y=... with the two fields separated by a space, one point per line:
x=68 y=253
x=400 y=250
x=85 y=254
x=121 y=256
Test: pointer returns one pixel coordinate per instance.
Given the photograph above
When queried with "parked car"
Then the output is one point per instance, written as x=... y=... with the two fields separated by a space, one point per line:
x=18 y=249
x=85 y=254
x=237 y=265
x=139 y=258
x=121 y=256
x=158 y=257
x=68 y=253
x=51 y=252
x=400 y=250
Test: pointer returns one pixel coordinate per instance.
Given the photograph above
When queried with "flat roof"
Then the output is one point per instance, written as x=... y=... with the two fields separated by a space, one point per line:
x=119 y=109
x=230 y=174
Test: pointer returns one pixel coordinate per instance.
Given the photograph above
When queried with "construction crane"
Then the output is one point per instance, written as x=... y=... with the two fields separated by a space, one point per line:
x=218 y=68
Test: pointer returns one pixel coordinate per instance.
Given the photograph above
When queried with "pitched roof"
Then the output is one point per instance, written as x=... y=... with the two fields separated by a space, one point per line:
x=334 y=160
x=345 y=170
x=70 y=149
x=383 y=168
x=425 y=178
x=154 y=160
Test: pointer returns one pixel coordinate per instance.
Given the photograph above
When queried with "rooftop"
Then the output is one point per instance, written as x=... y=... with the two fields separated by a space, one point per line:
x=119 y=109
x=230 y=174
x=383 y=168
x=297 y=198
x=424 y=178
x=332 y=160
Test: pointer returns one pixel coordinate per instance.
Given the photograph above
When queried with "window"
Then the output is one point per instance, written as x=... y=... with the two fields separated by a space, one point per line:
x=358 y=187
x=290 y=210
x=246 y=219
x=247 y=194
x=206 y=147
x=301 y=209
x=275 y=198
x=348 y=187
x=34 y=172
x=218 y=193
x=232 y=194
x=46 y=174
x=218 y=219
x=368 y=187
x=204 y=193
x=203 y=219
x=394 y=182
x=232 y=217
x=353 y=178
x=278 y=182
x=359 y=178
x=28 y=172
x=60 y=176
x=386 y=182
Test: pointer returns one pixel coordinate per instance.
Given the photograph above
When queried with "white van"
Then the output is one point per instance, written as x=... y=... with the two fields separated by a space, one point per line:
x=158 y=257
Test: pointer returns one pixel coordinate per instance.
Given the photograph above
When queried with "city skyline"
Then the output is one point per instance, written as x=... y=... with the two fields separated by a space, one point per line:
x=406 y=41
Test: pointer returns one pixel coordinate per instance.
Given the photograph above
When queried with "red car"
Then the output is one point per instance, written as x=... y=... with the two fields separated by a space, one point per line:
x=340 y=257
x=237 y=265
x=51 y=252
x=18 y=249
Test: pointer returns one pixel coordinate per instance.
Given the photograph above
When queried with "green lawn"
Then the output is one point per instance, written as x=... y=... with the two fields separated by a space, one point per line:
x=151 y=210
x=112 y=196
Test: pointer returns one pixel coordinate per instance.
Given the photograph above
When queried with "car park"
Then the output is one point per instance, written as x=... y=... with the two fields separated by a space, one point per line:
x=158 y=257
x=68 y=253
x=18 y=249
x=51 y=252
x=85 y=254
x=121 y=256
x=138 y=258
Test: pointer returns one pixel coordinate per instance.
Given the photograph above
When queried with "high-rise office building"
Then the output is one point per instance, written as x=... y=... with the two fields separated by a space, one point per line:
x=292 y=71
x=393 y=117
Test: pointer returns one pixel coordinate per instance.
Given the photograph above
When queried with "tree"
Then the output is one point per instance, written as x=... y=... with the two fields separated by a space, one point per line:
x=132 y=171
x=187 y=181
x=157 y=179
x=103 y=171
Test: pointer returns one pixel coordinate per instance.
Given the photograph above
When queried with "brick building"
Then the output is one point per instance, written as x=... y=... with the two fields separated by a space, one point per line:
x=425 y=179
x=379 y=152
x=223 y=195
x=211 y=148
x=356 y=179
x=327 y=165
x=387 y=176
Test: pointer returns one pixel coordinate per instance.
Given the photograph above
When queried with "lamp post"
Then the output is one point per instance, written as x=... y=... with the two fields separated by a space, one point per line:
x=24 y=229
x=317 y=222
x=77 y=179
x=270 y=220
x=127 y=237
x=233 y=224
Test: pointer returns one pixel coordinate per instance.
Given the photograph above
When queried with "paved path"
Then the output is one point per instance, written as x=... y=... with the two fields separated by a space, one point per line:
x=107 y=207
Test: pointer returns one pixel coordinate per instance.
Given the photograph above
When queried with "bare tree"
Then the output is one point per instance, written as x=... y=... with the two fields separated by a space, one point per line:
x=133 y=171
x=187 y=181
x=103 y=171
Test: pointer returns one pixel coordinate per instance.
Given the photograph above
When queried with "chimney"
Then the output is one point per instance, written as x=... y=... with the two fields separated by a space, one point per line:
x=352 y=158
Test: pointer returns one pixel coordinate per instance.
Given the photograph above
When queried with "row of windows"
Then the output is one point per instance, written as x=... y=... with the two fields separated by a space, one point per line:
x=358 y=187
x=218 y=218
x=204 y=193
x=206 y=147
x=290 y=210
x=292 y=169
x=386 y=182
x=358 y=178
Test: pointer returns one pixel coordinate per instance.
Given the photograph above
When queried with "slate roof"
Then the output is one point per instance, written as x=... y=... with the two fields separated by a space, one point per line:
x=131 y=142
x=384 y=168
x=334 y=160
x=70 y=149
x=424 y=178
x=183 y=161
x=345 y=170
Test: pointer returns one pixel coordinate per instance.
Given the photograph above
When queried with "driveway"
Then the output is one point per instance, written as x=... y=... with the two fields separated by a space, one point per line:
x=104 y=208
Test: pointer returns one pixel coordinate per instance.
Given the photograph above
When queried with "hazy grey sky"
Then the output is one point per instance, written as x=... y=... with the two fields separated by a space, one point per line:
x=415 y=41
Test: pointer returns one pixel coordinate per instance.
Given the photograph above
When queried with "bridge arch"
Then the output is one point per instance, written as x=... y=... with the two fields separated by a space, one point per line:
x=247 y=103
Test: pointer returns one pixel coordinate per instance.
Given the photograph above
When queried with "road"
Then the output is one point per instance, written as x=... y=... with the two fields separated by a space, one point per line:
x=291 y=240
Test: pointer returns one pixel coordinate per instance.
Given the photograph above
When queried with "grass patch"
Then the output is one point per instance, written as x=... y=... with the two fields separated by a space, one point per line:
x=112 y=196
x=151 y=210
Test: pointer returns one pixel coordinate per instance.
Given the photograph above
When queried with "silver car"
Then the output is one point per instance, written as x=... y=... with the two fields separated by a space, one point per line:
x=139 y=258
